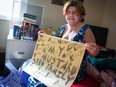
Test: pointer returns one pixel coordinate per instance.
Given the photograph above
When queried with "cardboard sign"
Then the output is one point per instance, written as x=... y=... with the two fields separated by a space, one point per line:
x=55 y=61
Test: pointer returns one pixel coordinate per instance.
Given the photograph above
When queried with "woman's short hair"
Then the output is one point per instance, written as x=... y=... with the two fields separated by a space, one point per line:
x=79 y=7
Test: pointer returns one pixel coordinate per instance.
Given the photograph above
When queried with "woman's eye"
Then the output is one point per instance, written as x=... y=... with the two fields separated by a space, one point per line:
x=73 y=13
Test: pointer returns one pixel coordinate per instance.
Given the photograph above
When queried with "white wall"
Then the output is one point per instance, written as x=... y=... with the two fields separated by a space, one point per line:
x=109 y=20
x=52 y=14
x=99 y=12
x=4 y=29
x=94 y=11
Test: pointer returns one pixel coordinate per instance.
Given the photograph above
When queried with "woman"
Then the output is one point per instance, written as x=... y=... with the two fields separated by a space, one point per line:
x=74 y=30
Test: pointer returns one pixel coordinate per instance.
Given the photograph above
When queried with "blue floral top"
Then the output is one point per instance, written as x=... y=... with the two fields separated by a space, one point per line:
x=79 y=38
x=28 y=81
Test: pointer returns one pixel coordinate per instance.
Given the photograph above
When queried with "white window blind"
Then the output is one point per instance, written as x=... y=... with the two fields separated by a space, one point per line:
x=10 y=9
x=6 y=9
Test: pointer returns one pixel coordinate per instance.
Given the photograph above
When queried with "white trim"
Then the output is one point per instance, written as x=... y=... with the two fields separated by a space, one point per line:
x=42 y=12
x=42 y=15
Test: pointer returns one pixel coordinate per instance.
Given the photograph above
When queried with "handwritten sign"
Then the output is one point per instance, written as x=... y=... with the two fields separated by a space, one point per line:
x=55 y=61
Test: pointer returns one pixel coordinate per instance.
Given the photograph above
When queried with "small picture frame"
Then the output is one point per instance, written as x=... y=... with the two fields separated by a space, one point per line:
x=62 y=2
x=59 y=2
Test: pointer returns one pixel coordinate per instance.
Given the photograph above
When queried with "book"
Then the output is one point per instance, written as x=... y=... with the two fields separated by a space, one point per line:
x=29 y=19
x=29 y=16
x=24 y=20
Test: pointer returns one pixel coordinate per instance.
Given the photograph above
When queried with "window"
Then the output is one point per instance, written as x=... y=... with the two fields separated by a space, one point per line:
x=15 y=9
x=10 y=9
x=19 y=8
x=6 y=9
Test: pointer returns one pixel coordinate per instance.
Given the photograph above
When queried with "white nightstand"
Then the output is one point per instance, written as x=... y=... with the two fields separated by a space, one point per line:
x=17 y=51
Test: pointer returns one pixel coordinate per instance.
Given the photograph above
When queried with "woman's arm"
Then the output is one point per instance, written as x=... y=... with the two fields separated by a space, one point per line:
x=90 y=43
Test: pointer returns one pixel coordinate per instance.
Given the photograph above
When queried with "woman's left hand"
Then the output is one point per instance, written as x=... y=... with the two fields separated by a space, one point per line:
x=92 y=49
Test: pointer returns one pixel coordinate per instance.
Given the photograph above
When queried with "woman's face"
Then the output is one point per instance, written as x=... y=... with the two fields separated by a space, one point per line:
x=72 y=16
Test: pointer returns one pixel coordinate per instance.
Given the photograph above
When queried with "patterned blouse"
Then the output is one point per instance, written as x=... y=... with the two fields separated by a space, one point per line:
x=78 y=38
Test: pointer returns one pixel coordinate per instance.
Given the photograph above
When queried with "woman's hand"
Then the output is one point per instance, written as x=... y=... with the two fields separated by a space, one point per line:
x=92 y=49
x=41 y=31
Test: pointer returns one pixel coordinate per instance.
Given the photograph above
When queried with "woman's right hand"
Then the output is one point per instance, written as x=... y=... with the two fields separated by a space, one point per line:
x=92 y=49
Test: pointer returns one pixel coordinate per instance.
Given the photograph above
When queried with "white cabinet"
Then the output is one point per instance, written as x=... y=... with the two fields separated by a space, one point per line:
x=17 y=51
